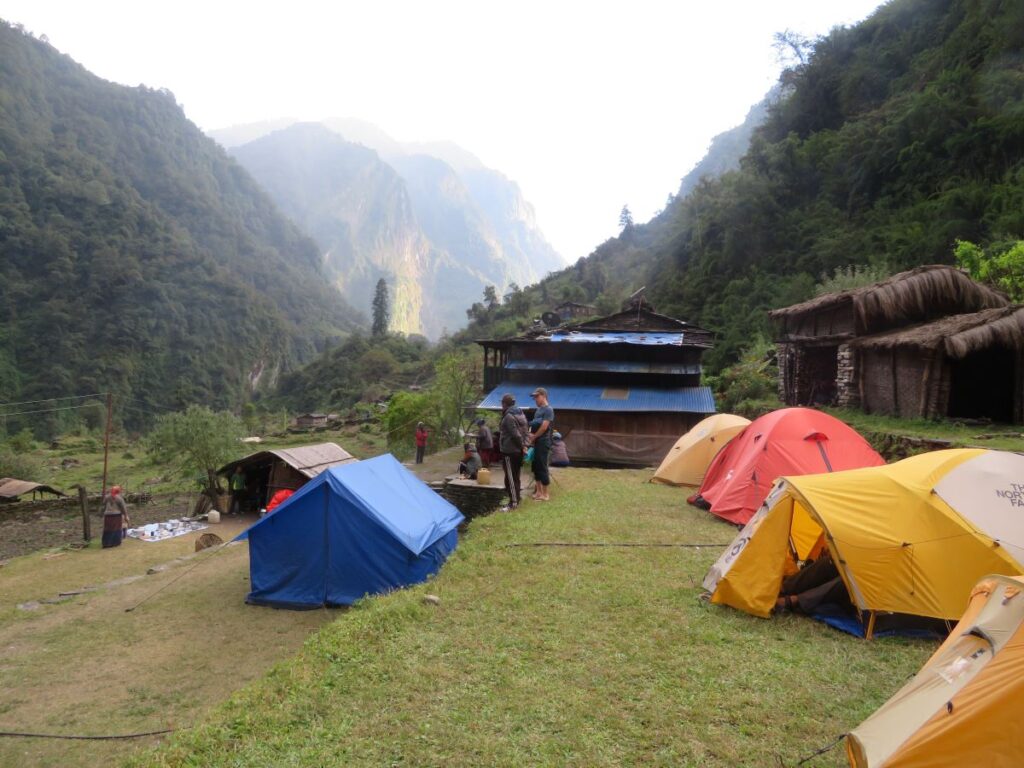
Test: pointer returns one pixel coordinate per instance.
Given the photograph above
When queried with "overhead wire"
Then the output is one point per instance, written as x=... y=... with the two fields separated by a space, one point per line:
x=52 y=399
x=50 y=410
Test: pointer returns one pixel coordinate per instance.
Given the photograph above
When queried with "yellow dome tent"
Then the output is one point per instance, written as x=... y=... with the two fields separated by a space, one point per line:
x=910 y=537
x=963 y=707
x=688 y=460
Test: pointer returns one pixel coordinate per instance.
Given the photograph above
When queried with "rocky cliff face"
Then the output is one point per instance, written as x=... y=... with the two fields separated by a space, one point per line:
x=431 y=219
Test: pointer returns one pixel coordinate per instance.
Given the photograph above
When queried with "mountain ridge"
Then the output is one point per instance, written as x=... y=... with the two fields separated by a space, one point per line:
x=151 y=263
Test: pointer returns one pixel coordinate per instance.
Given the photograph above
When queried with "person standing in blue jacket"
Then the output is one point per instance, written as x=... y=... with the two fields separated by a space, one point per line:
x=541 y=429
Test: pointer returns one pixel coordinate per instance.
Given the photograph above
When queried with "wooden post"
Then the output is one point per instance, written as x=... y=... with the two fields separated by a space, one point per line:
x=83 y=501
x=106 y=443
x=870 y=633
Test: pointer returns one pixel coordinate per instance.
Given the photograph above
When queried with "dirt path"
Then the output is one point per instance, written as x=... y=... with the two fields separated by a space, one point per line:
x=88 y=666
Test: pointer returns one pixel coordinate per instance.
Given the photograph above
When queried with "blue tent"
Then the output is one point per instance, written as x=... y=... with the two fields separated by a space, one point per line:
x=354 y=530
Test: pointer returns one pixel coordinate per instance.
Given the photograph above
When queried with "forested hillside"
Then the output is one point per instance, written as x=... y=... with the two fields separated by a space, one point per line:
x=430 y=218
x=895 y=138
x=135 y=256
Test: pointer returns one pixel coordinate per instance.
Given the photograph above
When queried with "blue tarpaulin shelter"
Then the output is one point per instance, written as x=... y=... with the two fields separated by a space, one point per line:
x=354 y=530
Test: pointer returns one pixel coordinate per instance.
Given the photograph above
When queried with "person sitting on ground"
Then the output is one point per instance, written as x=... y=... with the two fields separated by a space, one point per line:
x=559 y=454
x=470 y=464
x=817 y=584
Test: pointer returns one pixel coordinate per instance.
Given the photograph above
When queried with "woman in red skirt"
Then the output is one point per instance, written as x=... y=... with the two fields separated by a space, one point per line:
x=115 y=514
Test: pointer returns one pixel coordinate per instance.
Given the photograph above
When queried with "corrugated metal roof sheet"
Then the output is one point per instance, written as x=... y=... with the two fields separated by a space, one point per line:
x=643 y=339
x=310 y=460
x=11 y=488
x=598 y=398
x=602 y=366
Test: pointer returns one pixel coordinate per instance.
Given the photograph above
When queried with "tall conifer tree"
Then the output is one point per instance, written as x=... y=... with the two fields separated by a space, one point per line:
x=381 y=312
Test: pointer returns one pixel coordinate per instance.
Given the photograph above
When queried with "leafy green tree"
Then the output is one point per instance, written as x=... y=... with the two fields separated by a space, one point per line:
x=1001 y=264
x=451 y=399
x=196 y=442
x=405 y=409
x=491 y=300
x=381 y=311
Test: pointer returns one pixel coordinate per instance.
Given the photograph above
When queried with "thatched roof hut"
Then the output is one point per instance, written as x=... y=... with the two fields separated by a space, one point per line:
x=920 y=294
x=957 y=336
x=966 y=366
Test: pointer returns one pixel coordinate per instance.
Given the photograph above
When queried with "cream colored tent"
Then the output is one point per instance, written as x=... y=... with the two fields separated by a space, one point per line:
x=689 y=458
x=963 y=708
x=908 y=538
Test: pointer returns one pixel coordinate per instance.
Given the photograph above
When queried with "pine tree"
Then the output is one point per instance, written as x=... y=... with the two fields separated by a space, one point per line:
x=626 y=219
x=381 y=313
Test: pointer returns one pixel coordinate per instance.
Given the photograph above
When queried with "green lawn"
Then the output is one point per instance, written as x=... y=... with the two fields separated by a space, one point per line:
x=1007 y=437
x=558 y=656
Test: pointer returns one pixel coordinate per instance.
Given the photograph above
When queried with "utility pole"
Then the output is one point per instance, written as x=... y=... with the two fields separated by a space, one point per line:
x=106 y=442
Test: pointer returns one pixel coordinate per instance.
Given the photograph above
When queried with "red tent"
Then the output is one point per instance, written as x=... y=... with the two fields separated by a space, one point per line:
x=790 y=441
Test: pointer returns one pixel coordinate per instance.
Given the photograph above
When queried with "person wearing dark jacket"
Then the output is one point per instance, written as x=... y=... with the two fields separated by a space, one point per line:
x=512 y=431
x=484 y=442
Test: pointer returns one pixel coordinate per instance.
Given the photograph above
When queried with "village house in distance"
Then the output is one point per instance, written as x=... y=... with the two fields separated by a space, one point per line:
x=925 y=343
x=624 y=387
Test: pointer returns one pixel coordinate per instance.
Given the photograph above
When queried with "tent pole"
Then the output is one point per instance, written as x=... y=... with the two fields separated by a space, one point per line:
x=870 y=634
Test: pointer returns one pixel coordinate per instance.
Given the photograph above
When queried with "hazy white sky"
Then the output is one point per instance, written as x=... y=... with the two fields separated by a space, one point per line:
x=587 y=105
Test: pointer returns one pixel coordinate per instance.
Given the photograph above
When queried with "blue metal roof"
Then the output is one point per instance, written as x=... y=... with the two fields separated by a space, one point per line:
x=644 y=339
x=615 y=399
x=602 y=366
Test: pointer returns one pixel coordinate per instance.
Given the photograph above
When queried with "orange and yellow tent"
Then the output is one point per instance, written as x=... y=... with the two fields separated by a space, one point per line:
x=910 y=538
x=790 y=441
x=688 y=460
x=963 y=707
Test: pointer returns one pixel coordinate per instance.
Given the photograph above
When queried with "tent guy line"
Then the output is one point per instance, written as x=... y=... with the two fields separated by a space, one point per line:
x=612 y=544
x=179 y=576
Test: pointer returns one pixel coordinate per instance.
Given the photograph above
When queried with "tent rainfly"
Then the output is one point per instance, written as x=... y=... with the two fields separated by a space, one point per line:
x=789 y=441
x=688 y=460
x=359 y=529
x=893 y=532
x=963 y=707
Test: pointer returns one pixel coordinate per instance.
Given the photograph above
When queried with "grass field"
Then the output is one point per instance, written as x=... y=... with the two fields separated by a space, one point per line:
x=586 y=656
x=88 y=666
